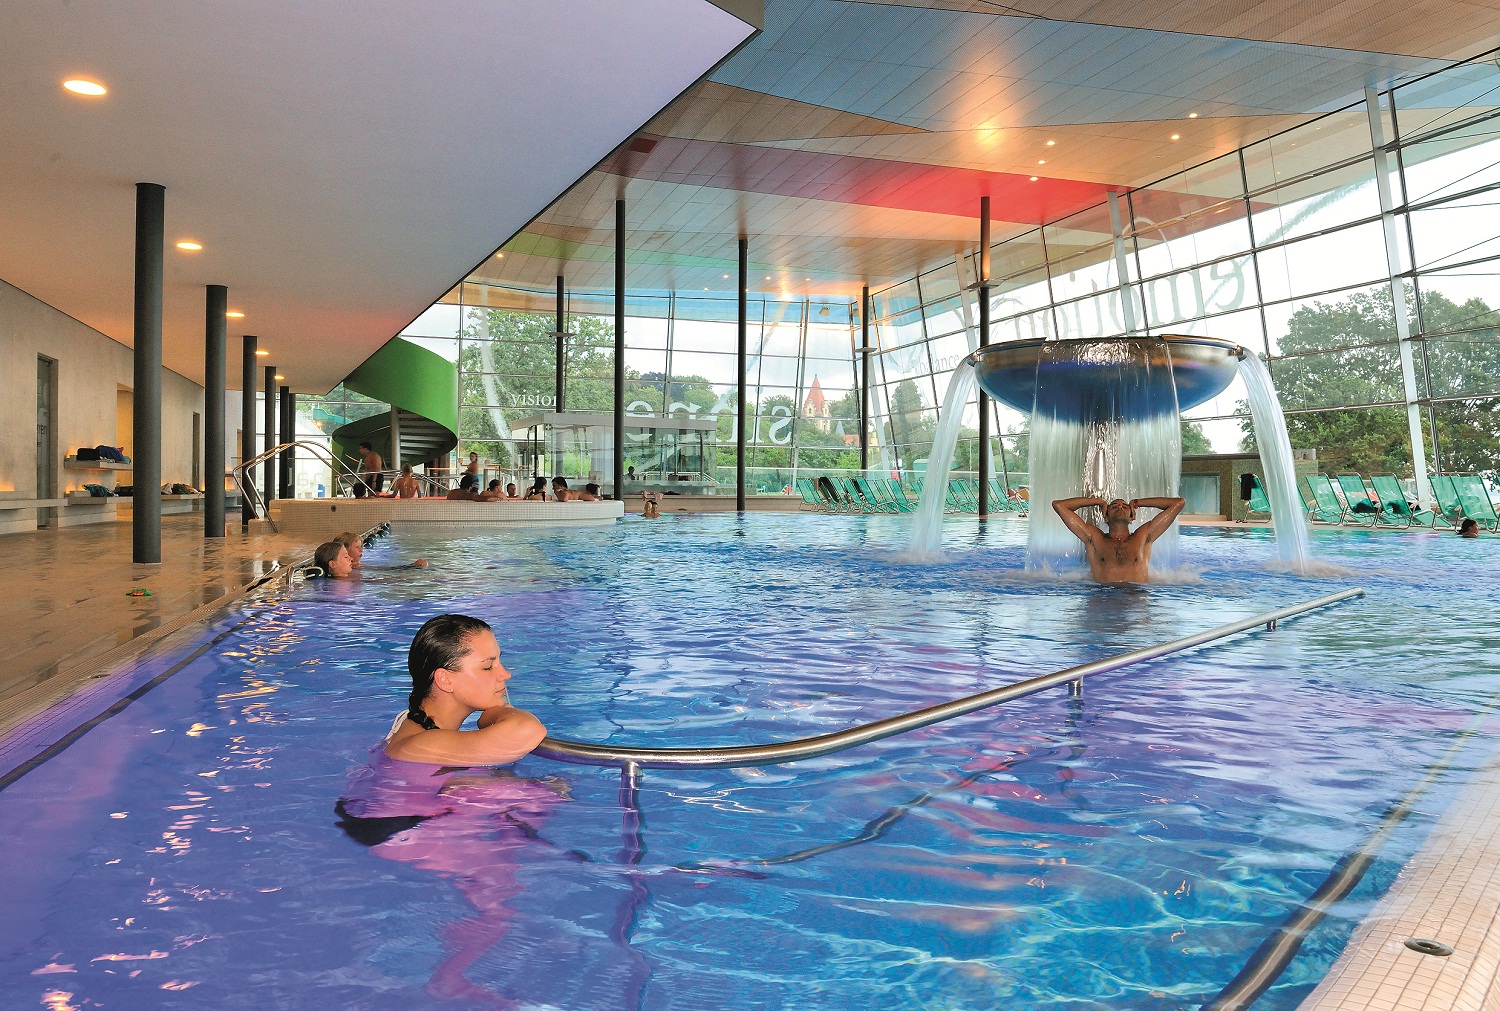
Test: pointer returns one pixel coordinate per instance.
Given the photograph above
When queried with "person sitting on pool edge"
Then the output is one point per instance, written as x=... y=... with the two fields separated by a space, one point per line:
x=1118 y=555
x=456 y=672
x=465 y=490
x=406 y=485
x=332 y=559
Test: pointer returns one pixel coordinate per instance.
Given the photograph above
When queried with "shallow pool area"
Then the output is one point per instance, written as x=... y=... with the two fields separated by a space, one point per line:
x=226 y=840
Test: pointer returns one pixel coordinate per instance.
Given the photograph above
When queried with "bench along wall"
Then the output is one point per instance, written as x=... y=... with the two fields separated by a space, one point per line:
x=91 y=368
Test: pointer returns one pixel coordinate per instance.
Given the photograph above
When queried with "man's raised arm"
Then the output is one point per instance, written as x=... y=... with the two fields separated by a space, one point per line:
x=1067 y=511
x=1158 y=524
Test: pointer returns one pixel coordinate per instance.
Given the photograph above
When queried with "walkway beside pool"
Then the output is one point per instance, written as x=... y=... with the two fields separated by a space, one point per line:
x=1450 y=893
x=68 y=615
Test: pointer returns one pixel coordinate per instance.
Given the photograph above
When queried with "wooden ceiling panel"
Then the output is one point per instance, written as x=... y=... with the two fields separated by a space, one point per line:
x=1439 y=29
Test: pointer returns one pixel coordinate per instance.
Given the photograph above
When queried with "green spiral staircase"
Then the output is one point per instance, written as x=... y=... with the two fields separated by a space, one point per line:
x=421 y=387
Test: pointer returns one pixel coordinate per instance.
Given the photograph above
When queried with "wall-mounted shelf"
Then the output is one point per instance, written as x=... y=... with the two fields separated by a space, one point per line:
x=73 y=463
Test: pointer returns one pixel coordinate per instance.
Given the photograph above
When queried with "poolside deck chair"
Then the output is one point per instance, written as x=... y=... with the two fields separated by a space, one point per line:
x=1324 y=506
x=1357 y=495
x=900 y=494
x=1476 y=500
x=888 y=493
x=1450 y=507
x=810 y=496
x=959 y=496
x=1393 y=497
x=1260 y=502
x=874 y=499
x=999 y=501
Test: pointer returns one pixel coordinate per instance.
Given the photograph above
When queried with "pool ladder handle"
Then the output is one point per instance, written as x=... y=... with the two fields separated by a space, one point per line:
x=632 y=760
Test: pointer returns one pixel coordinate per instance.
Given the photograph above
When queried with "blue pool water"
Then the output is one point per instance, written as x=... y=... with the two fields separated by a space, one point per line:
x=1129 y=851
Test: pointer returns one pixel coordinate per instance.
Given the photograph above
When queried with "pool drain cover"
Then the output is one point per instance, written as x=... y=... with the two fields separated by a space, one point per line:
x=1428 y=947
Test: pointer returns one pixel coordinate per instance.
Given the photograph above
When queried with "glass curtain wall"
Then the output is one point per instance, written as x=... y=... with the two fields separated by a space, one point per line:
x=1280 y=246
x=680 y=363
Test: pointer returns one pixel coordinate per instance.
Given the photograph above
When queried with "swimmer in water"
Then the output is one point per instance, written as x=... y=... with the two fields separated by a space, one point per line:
x=1118 y=555
x=355 y=545
x=455 y=672
x=333 y=558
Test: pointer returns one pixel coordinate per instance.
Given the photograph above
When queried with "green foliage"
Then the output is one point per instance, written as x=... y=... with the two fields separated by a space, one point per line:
x=1375 y=440
x=1194 y=440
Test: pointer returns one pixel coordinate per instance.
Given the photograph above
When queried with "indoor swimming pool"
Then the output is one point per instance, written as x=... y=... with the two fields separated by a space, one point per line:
x=223 y=838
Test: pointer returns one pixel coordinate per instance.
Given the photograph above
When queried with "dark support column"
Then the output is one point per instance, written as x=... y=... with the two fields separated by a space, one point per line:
x=743 y=421
x=248 y=442
x=268 y=472
x=288 y=428
x=215 y=366
x=864 y=378
x=619 y=350
x=562 y=361
x=984 y=339
x=145 y=521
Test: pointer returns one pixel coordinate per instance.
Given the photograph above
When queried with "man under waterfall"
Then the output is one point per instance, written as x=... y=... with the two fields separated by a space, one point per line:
x=1118 y=555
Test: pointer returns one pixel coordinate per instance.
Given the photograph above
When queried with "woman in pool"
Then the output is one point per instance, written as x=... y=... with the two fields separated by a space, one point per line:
x=455 y=672
x=333 y=558
x=477 y=828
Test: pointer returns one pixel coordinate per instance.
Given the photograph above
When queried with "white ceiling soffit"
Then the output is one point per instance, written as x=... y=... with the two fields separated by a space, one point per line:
x=342 y=164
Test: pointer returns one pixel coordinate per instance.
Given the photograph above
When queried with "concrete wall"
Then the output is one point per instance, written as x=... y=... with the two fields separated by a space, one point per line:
x=91 y=370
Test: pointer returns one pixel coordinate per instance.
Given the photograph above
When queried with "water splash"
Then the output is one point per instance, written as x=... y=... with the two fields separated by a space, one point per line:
x=1292 y=547
x=927 y=532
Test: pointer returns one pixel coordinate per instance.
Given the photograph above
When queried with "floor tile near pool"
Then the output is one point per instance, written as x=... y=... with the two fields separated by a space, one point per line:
x=1449 y=892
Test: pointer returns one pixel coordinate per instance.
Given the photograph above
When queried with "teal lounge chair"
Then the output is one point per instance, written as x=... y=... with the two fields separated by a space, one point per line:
x=1260 y=502
x=888 y=491
x=958 y=497
x=1476 y=500
x=999 y=501
x=1449 y=506
x=1325 y=507
x=1393 y=497
x=810 y=494
x=874 y=501
x=1356 y=494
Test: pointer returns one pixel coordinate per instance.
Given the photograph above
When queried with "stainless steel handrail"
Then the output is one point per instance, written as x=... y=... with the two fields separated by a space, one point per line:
x=578 y=753
x=252 y=494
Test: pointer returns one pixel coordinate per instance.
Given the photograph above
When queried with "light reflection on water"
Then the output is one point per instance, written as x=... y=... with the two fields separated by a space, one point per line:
x=1127 y=851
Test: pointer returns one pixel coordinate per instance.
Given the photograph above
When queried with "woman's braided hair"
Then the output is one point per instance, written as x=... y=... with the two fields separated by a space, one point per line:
x=441 y=642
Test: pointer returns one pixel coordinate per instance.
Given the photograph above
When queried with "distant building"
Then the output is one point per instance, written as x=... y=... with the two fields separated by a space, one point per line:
x=815 y=407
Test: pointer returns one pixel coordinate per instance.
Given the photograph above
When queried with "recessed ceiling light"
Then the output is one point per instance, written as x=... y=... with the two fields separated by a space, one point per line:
x=262 y=352
x=1051 y=143
x=1176 y=136
x=235 y=315
x=1192 y=115
x=1033 y=178
x=499 y=256
x=1041 y=161
x=281 y=377
x=726 y=277
x=190 y=246
x=768 y=277
x=92 y=89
